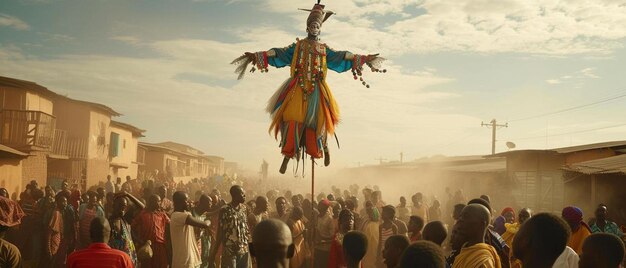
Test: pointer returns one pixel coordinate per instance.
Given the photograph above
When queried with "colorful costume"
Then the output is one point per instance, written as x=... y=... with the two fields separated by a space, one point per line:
x=303 y=109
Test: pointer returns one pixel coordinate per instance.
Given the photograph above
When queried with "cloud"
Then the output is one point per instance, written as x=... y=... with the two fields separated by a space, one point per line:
x=132 y=40
x=13 y=22
x=578 y=76
x=544 y=27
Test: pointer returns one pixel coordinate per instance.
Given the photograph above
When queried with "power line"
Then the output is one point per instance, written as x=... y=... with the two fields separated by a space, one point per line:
x=567 y=133
x=569 y=109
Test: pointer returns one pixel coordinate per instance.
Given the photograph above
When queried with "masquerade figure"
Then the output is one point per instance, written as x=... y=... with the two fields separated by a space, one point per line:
x=303 y=109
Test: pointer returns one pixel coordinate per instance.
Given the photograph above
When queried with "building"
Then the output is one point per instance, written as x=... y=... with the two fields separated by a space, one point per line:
x=28 y=128
x=540 y=179
x=124 y=142
x=50 y=138
x=86 y=129
x=599 y=181
x=174 y=160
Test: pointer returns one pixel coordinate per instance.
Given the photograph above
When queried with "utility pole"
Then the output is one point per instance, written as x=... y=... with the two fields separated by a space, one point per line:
x=493 y=124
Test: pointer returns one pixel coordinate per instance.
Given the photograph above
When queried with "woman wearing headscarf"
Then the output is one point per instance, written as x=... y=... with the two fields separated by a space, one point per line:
x=580 y=230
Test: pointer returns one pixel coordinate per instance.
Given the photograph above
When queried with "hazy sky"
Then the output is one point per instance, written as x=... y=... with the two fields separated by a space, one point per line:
x=164 y=64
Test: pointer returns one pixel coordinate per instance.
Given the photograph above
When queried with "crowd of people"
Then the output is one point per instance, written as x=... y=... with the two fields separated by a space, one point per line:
x=146 y=223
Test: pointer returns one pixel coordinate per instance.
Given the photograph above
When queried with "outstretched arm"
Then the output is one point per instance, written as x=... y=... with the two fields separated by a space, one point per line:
x=277 y=57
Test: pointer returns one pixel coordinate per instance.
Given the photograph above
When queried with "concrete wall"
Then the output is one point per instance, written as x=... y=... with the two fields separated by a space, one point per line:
x=35 y=167
x=98 y=148
x=35 y=102
x=11 y=175
x=12 y=99
x=73 y=118
x=127 y=153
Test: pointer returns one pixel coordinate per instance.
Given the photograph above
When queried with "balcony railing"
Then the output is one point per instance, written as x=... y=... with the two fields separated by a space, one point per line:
x=26 y=129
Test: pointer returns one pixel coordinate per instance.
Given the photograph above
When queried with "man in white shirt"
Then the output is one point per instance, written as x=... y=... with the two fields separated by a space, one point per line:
x=109 y=187
x=182 y=241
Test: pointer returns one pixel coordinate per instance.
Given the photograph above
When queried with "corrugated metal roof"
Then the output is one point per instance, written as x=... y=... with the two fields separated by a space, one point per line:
x=23 y=84
x=135 y=130
x=570 y=149
x=614 y=164
x=7 y=149
x=494 y=166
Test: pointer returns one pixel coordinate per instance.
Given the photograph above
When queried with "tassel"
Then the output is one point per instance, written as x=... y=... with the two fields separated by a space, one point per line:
x=242 y=63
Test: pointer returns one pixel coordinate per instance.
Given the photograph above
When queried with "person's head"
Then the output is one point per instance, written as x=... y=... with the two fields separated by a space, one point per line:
x=65 y=185
x=204 y=202
x=4 y=192
x=261 y=203
x=92 y=198
x=524 y=214
x=281 y=205
x=402 y=201
x=436 y=204
x=162 y=191
x=540 y=240
x=423 y=254
x=34 y=184
x=314 y=29
x=100 y=192
x=350 y=204
x=473 y=223
x=237 y=194
x=393 y=249
x=417 y=198
x=346 y=220
x=481 y=201
x=456 y=213
x=153 y=202
x=601 y=212
x=416 y=224
x=296 y=201
x=108 y=177
x=296 y=213
x=486 y=198
x=272 y=244
x=118 y=180
x=128 y=178
x=180 y=199
x=49 y=191
x=354 y=246
x=120 y=204
x=389 y=213
x=573 y=216
x=330 y=197
x=323 y=207
x=61 y=201
x=99 y=230
x=602 y=250
x=435 y=232
x=509 y=215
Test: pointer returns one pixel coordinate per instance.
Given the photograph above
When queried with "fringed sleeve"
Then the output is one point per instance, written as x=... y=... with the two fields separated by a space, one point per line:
x=336 y=61
x=283 y=56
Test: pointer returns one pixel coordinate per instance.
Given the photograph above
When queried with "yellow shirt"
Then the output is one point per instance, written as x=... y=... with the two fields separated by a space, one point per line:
x=577 y=239
x=480 y=255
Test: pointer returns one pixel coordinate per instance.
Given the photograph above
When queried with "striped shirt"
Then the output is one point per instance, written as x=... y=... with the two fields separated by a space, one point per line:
x=99 y=255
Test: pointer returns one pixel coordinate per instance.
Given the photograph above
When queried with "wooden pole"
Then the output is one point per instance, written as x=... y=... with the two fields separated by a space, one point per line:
x=313 y=203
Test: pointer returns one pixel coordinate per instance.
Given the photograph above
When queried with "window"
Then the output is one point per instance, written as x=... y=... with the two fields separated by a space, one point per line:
x=114 y=147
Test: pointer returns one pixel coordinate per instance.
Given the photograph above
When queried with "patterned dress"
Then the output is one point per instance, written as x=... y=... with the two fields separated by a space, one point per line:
x=123 y=240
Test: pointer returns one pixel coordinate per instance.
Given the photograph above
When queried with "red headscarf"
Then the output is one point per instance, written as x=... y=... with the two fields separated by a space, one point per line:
x=508 y=209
